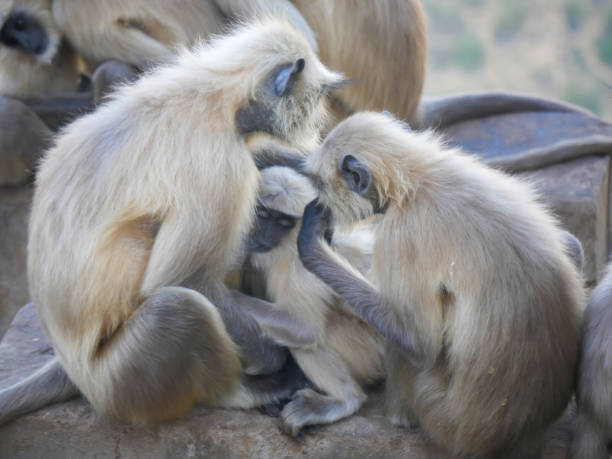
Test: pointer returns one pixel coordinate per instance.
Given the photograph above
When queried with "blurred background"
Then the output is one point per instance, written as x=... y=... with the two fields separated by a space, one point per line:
x=560 y=49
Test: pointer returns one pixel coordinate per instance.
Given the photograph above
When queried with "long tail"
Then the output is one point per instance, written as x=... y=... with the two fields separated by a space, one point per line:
x=47 y=385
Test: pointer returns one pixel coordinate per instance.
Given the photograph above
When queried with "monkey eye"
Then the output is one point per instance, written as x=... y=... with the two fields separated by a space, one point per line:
x=286 y=222
x=262 y=213
x=19 y=23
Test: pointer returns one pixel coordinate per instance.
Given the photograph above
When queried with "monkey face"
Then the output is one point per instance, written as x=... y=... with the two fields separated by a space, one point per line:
x=283 y=194
x=288 y=96
x=28 y=27
x=366 y=161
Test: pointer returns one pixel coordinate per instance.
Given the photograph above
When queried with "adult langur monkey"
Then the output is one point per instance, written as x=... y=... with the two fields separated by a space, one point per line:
x=593 y=432
x=348 y=353
x=471 y=285
x=146 y=203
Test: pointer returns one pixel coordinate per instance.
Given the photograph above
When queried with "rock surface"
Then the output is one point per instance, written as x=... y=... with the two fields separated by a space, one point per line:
x=72 y=430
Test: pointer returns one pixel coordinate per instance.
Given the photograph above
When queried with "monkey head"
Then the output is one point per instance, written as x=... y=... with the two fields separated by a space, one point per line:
x=360 y=166
x=283 y=194
x=28 y=27
x=286 y=91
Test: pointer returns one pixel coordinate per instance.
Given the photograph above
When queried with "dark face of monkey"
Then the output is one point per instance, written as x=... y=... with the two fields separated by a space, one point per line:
x=24 y=32
x=284 y=104
x=269 y=229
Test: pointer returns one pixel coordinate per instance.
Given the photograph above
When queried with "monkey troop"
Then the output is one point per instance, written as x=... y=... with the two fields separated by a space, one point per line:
x=471 y=285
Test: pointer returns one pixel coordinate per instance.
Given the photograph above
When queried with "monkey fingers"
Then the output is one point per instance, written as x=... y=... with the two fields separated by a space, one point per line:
x=315 y=223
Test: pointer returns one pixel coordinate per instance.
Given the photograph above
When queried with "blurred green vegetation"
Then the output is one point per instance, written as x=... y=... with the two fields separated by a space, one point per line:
x=574 y=14
x=604 y=42
x=510 y=21
x=444 y=17
x=468 y=52
x=587 y=97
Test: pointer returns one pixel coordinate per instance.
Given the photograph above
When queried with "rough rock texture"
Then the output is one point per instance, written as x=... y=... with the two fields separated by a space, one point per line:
x=14 y=212
x=72 y=430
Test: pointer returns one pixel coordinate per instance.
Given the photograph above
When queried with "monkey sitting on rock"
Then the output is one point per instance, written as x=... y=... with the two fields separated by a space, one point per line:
x=471 y=285
x=141 y=209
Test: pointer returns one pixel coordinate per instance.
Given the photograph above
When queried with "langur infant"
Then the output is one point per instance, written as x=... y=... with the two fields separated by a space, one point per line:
x=348 y=354
x=140 y=211
x=471 y=285
x=593 y=432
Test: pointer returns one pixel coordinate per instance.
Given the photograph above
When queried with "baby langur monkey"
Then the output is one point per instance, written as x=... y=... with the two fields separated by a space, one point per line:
x=141 y=209
x=347 y=353
x=471 y=285
x=593 y=433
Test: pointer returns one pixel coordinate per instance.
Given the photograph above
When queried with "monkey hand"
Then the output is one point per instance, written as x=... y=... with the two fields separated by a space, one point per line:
x=315 y=225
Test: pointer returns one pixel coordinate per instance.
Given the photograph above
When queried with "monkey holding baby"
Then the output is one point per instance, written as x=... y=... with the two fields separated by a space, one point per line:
x=140 y=221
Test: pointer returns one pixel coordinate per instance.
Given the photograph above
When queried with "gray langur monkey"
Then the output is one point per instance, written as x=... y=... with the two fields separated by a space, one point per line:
x=471 y=284
x=141 y=209
x=348 y=353
x=593 y=425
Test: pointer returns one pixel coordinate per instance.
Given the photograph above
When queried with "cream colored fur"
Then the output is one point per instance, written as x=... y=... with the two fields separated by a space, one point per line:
x=149 y=190
x=348 y=353
x=381 y=44
x=475 y=269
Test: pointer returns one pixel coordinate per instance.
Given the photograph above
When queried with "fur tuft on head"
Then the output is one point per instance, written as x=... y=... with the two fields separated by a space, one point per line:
x=285 y=190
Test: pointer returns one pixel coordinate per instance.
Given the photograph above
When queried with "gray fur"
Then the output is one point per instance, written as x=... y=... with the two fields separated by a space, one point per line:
x=594 y=387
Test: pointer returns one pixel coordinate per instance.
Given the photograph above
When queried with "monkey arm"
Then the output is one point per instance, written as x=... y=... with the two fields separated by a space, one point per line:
x=273 y=154
x=57 y=111
x=349 y=284
x=247 y=9
x=281 y=326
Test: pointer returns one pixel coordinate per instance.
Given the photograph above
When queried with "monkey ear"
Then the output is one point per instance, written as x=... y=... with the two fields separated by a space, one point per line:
x=356 y=175
x=285 y=78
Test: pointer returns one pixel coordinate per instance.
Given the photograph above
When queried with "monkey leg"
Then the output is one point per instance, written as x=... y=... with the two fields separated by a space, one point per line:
x=328 y=372
x=398 y=391
x=23 y=138
x=590 y=440
x=574 y=249
x=173 y=351
x=108 y=75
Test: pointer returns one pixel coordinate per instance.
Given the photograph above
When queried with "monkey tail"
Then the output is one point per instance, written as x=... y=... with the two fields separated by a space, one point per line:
x=49 y=384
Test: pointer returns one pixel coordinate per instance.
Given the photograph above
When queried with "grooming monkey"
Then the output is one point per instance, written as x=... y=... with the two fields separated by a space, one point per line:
x=471 y=285
x=348 y=353
x=147 y=202
x=593 y=424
